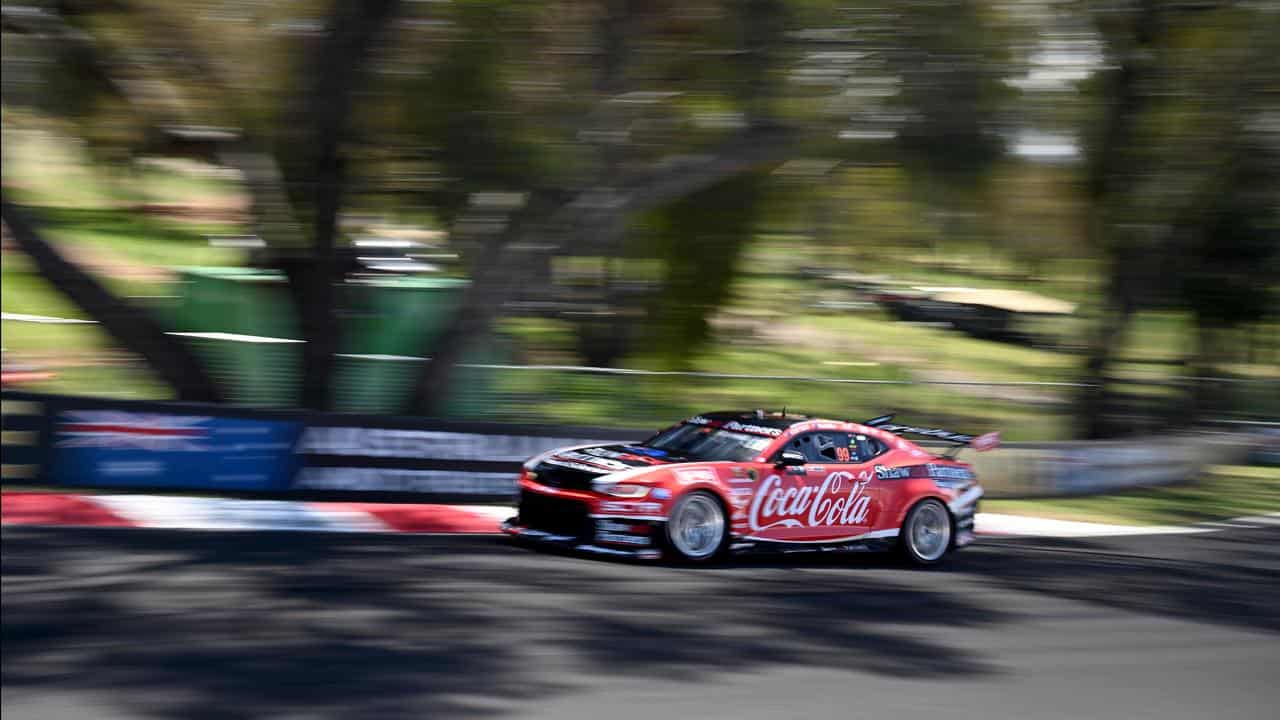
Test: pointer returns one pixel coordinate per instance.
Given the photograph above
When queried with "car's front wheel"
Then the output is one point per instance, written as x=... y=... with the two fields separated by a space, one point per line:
x=926 y=533
x=697 y=529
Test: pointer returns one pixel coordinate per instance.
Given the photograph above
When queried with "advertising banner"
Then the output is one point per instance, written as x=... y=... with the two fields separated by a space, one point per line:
x=427 y=458
x=122 y=448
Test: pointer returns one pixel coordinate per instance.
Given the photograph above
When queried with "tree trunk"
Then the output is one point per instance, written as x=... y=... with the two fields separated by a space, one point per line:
x=133 y=328
x=1093 y=401
x=1107 y=181
x=335 y=68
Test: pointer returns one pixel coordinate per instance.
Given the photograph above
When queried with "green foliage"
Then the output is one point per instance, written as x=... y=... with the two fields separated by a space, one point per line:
x=463 y=108
x=509 y=95
x=1221 y=492
x=950 y=91
x=701 y=238
x=1234 y=257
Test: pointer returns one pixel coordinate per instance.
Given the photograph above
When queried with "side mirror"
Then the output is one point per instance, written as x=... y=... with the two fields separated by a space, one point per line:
x=791 y=458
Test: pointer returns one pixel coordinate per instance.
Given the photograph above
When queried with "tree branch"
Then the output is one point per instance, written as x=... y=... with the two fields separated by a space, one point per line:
x=333 y=70
x=596 y=210
x=133 y=328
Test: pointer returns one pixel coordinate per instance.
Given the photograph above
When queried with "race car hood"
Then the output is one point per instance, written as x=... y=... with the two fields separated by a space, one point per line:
x=577 y=467
x=605 y=459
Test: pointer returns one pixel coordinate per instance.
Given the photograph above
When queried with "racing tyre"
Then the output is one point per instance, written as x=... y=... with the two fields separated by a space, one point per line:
x=926 y=533
x=697 y=528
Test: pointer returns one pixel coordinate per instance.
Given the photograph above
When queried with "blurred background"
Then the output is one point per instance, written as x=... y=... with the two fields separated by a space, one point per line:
x=1056 y=219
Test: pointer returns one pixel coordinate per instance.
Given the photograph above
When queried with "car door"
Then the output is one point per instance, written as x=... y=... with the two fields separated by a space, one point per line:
x=867 y=453
x=825 y=499
x=847 y=499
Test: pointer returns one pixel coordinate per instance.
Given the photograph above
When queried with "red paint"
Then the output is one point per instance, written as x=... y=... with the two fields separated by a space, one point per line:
x=131 y=429
x=983 y=443
x=25 y=508
x=21 y=376
x=420 y=518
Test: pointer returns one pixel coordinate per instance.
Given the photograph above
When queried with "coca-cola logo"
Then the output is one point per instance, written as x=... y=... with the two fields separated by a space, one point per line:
x=840 y=500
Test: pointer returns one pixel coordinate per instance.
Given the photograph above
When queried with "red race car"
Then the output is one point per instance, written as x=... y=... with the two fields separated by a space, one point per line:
x=730 y=481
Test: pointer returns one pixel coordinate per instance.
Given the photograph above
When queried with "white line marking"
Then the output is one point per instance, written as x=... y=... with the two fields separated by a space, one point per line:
x=995 y=524
x=199 y=513
x=234 y=337
x=44 y=319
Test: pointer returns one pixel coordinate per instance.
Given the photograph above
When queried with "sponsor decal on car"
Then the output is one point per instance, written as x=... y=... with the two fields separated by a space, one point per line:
x=615 y=506
x=558 y=460
x=948 y=472
x=589 y=458
x=621 y=539
x=619 y=526
x=884 y=472
x=752 y=429
x=690 y=476
x=840 y=500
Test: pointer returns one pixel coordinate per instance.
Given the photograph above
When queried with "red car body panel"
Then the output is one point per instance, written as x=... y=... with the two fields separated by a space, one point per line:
x=860 y=503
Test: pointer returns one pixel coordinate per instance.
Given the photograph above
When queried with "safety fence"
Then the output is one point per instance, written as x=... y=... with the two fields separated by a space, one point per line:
x=70 y=441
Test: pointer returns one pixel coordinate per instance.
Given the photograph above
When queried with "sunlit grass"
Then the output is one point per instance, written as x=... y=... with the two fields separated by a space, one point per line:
x=1223 y=491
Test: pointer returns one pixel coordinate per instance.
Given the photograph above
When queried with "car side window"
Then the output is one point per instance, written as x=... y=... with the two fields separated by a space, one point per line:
x=823 y=447
x=865 y=447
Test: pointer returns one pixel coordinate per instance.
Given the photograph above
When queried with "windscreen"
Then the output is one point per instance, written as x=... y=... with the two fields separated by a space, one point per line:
x=699 y=442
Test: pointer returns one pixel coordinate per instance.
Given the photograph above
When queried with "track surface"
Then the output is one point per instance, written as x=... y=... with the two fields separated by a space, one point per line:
x=171 y=624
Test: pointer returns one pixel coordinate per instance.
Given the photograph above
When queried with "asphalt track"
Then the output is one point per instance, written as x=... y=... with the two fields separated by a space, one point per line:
x=111 y=623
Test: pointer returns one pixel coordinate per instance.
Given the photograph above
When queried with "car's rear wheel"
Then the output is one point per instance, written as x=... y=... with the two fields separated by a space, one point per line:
x=697 y=529
x=926 y=533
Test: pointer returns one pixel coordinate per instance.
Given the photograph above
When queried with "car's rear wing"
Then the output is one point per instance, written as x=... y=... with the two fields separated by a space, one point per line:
x=980 y=443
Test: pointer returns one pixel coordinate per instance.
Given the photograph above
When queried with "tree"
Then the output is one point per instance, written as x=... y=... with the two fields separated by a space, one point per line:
x=297 y=192
x=1167 y=173
x=596 y=217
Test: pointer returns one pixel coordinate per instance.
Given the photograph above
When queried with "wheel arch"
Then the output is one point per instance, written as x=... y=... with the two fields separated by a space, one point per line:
x=951 y=518
x=726 y=508
x=951 y=514
x=714 y=490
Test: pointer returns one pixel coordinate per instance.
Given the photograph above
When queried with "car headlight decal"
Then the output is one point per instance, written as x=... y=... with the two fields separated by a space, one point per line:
x=622 y=490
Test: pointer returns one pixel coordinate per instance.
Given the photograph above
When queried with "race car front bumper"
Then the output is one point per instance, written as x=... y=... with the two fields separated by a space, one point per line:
x=630 y=549
x=579 y=520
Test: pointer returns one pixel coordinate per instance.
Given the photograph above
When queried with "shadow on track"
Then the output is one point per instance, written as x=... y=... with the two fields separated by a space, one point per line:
x=1230 y=578
x=172 y=624
x=205 y=625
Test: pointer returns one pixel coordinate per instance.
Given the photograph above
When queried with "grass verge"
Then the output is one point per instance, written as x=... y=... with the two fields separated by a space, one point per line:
x=1224 y=491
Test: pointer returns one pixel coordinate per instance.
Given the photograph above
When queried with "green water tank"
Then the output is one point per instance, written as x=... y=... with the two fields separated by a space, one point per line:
x=386 y=322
